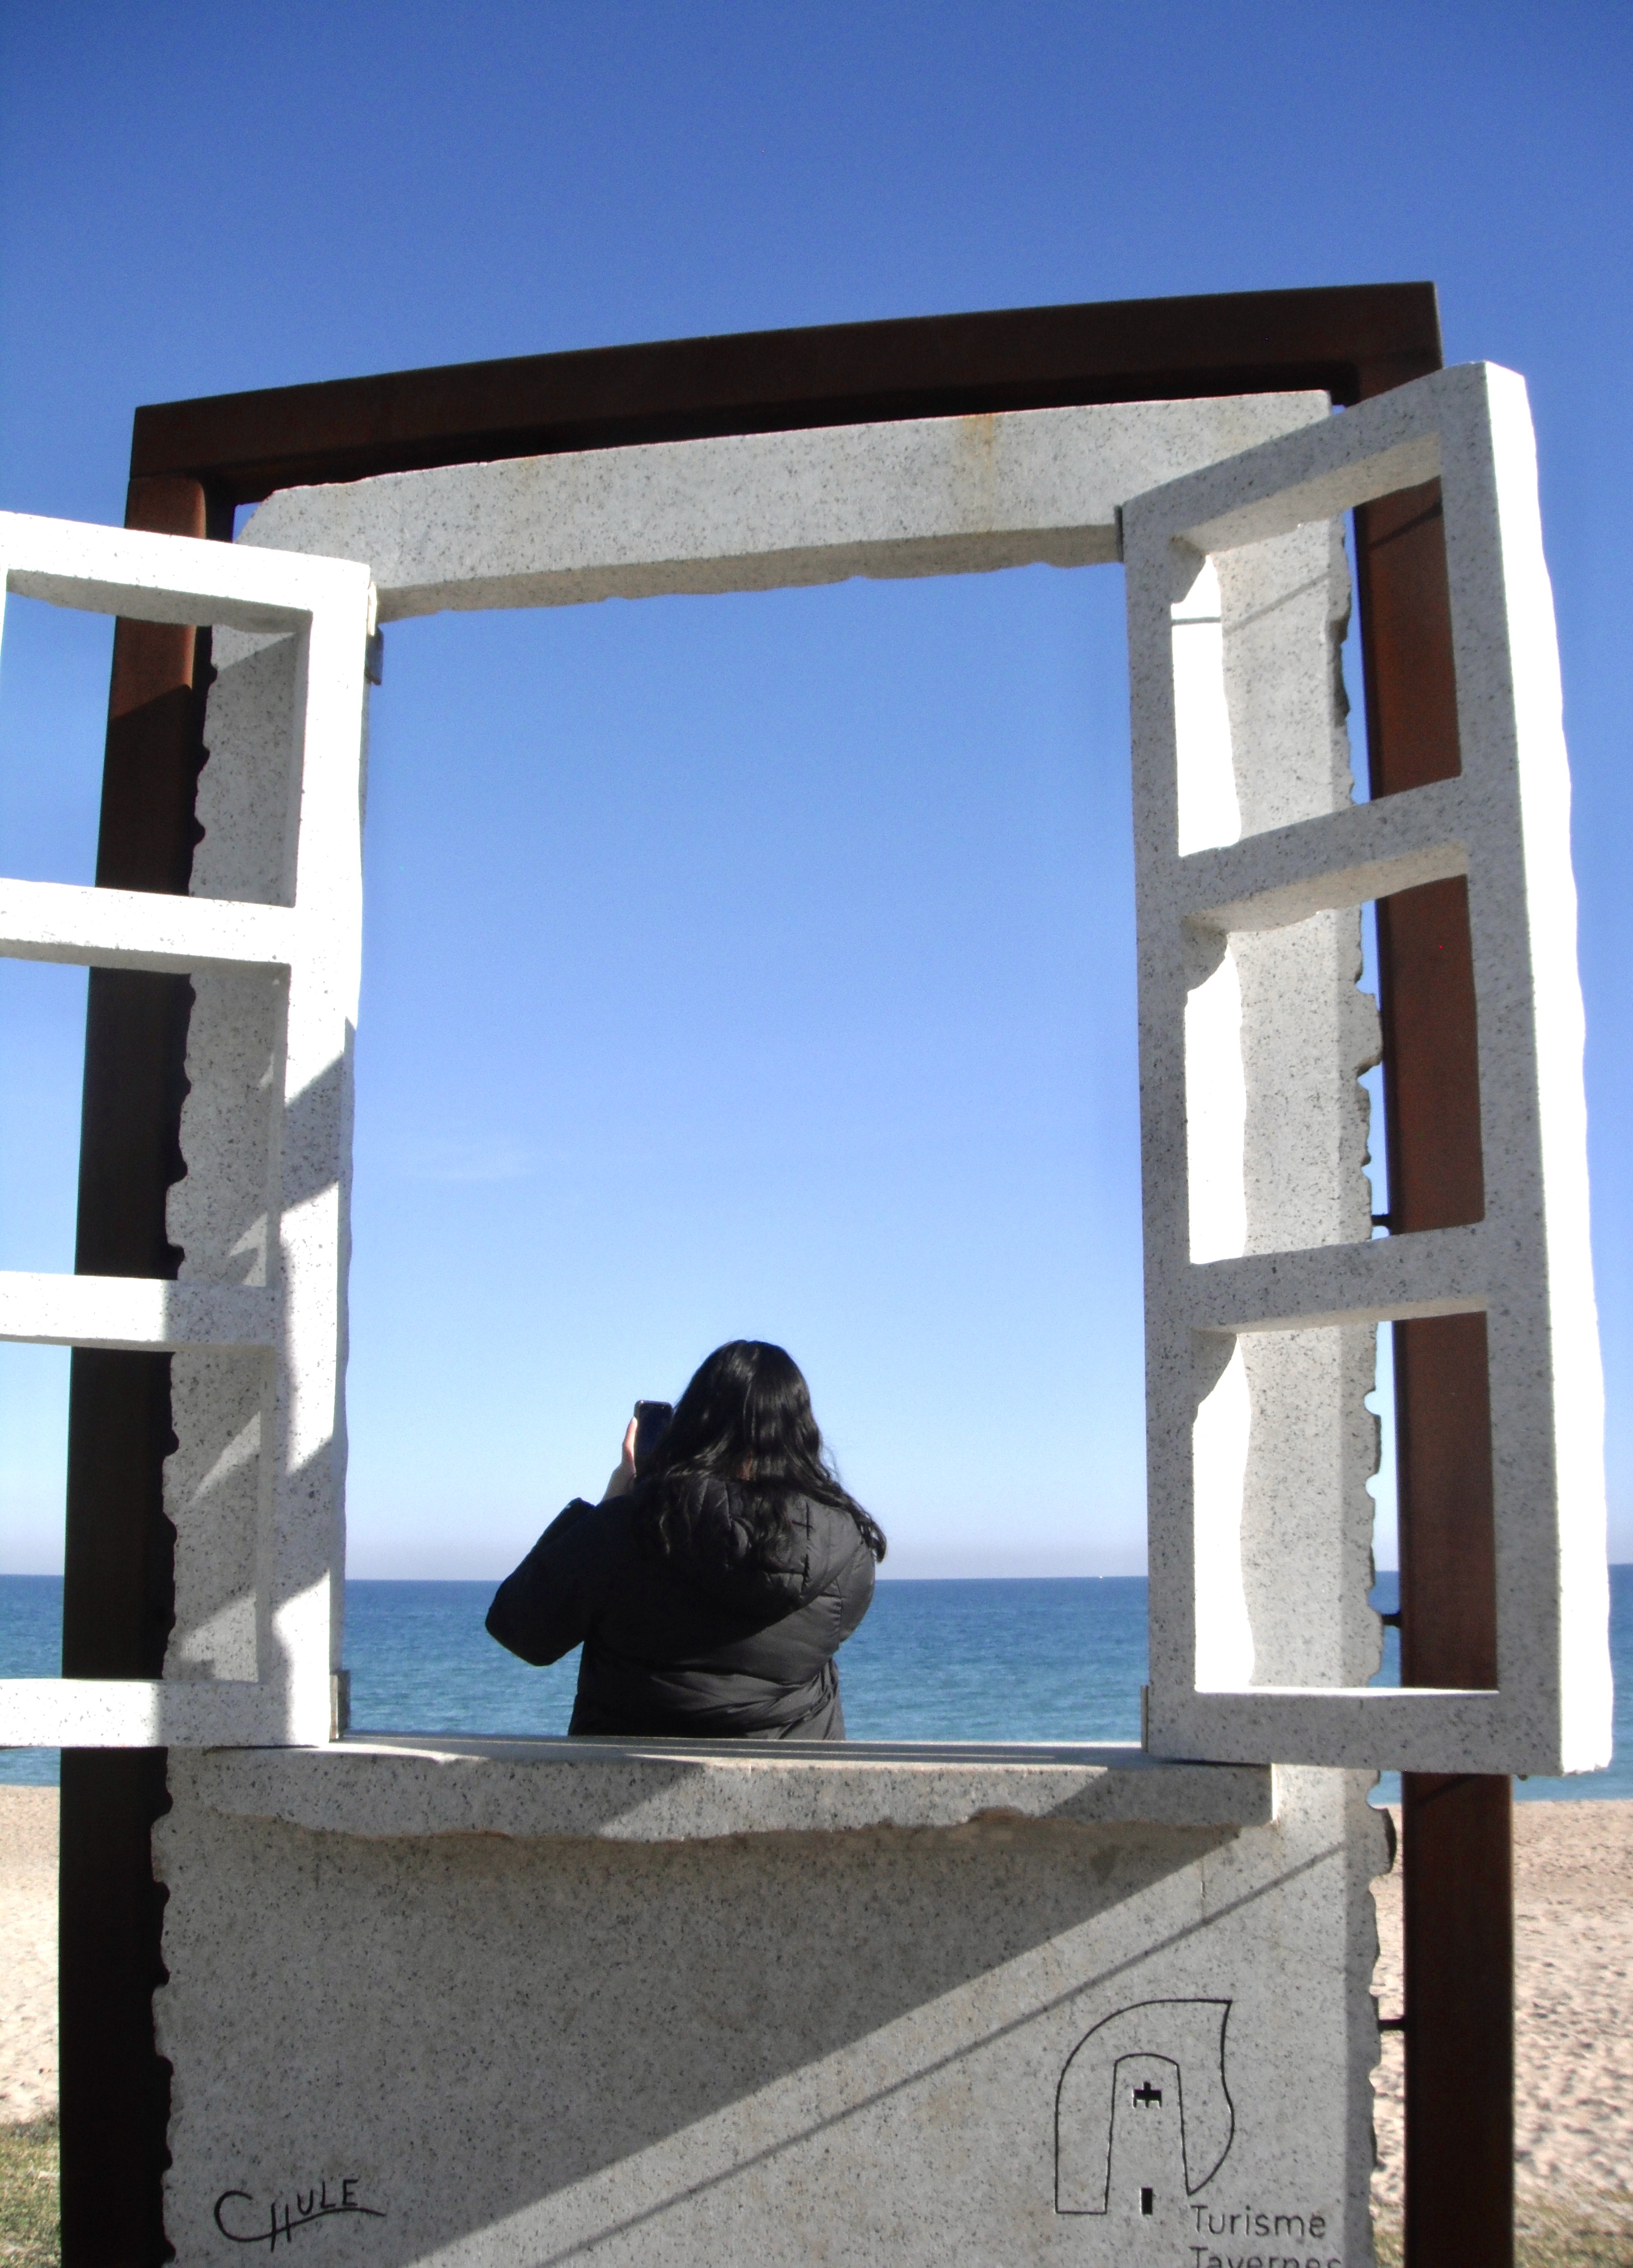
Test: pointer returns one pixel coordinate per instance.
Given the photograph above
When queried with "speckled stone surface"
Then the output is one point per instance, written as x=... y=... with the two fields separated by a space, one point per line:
x=255 y=1486
x=677 y=1791
x=988 y=2042
x=1268 y=1436
x=937 y=496
x=270 y=937
x=1262 y=1280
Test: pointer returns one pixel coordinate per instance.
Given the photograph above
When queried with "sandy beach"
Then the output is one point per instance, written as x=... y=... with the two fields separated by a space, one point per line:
x=27 y=1953
x=1573 y=1965
x=1574 y=1948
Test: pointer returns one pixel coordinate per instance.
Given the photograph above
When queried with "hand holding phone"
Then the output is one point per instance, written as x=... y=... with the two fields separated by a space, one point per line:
x=651 y=1423
x=642 y=1435
x=622 y=1477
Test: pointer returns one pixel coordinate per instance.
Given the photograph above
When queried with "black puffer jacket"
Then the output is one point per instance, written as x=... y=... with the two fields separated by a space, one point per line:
x=702 y=1642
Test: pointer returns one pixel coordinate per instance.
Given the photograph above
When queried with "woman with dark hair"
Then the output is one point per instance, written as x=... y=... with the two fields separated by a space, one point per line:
x=711 y=1590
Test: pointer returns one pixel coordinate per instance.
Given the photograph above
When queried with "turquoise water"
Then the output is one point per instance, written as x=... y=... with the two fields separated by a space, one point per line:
x=1058 y=1660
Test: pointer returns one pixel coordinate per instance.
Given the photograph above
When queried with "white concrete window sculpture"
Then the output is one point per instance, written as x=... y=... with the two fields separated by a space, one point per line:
x=1099 y=1990
x=295 y=940
x=1262 y=1285
x=1232 y=1255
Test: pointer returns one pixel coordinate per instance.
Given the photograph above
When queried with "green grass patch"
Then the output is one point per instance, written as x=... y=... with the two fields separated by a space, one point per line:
x=1586 y=2234
x=30 y=2234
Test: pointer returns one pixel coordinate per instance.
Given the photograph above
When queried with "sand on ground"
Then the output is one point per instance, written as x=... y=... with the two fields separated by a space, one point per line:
x=1573 y=1991
x=27 y=1953
x=1573 y=1899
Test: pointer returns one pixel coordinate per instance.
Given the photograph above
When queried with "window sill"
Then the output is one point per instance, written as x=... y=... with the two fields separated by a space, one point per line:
x=405 y=1784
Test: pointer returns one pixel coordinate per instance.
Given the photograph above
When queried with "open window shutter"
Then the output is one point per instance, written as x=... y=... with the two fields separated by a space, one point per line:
x=308 y=945
x=1504 y=824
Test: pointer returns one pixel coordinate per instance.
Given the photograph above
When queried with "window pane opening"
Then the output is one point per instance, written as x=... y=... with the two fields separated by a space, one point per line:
x=1385 y=1591
x=762 y=967
x=54 y=680
x=43 y=1030
x=33 y=1468
x=1231 y=611
x=1276 y=1391
x=1234 y=617
x=42 y=1041
x=1417 y=728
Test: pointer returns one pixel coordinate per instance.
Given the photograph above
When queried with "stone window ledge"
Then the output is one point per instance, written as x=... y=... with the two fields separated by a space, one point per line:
x=406 y=1784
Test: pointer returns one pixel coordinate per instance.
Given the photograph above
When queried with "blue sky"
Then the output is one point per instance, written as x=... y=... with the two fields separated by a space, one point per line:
x=764 y=964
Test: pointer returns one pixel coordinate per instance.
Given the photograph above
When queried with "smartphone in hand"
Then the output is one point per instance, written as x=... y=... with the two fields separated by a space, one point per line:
x=651 y=1423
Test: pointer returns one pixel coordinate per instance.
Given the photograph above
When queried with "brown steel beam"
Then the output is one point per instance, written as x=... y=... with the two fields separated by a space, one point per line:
x=192 y=462
x=1351 y=340
x=114 y=2090
x=118 y=1591
x=1457 y=1852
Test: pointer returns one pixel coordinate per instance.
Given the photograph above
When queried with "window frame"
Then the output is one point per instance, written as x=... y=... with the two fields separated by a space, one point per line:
x=1521 y=1260
x=308 y=945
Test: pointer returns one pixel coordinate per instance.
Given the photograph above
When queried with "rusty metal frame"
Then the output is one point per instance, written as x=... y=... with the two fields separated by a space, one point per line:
x=191 y=464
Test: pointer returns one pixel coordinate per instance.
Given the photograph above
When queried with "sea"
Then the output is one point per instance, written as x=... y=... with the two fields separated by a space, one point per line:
x=1043 y=1659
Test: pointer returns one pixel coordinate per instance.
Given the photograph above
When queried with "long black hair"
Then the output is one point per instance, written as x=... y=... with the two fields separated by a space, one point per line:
x=745 y=1419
